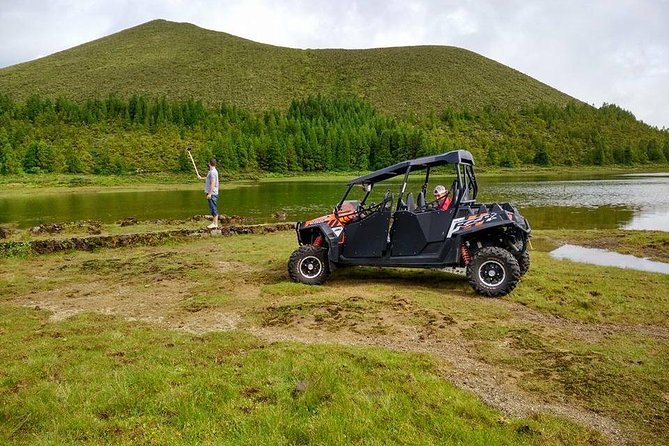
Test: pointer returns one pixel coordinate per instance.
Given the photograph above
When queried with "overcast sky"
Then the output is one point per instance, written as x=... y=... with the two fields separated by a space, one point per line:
x=614 y=51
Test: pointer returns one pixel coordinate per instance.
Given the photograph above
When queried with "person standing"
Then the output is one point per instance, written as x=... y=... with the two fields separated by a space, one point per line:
x=211 y=189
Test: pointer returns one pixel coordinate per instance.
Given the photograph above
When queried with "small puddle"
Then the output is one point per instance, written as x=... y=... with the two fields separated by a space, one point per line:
x=603 y=257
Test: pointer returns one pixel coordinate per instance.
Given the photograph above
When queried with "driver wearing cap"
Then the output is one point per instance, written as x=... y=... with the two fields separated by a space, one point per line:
x=443 y=200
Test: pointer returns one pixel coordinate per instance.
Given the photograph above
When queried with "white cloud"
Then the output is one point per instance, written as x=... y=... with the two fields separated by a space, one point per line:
x=613 y=51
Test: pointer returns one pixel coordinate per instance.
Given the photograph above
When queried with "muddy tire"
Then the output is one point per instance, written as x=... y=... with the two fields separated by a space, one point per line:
x=523 y=262
x=493 y=272
x=309 y=264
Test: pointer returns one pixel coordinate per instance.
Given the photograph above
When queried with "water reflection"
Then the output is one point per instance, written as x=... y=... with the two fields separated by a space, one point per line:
x=649 y=220
x=640 y=202
x=640 y=192
x=603 y=257
x=562 y=217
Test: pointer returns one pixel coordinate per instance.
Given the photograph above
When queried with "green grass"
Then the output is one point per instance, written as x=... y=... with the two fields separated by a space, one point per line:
x=589 y=337
x=180 y=60
x=97 y=380
x=595 y=294
x=55 y=183
x=617 y=373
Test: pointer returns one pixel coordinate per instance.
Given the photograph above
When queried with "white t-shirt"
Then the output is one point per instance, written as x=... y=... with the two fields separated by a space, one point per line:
x=212 y=177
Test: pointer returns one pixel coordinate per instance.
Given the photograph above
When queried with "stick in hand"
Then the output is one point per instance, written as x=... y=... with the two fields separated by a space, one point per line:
x=193 y=161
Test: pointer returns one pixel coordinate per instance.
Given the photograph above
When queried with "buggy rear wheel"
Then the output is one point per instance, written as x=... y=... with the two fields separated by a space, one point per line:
x=523 y=262
x=309 y=264
x=493 y=272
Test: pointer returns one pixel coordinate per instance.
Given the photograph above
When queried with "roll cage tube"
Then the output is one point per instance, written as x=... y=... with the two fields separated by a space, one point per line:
x=427 y=179
x=403 y=188
x=364 y=199
x=459 y=177
x=466 y=180
x=343 y=198
x=472 y=181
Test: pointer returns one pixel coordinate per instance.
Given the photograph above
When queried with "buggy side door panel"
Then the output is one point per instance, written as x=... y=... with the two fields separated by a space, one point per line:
x=367 y=237
x=413 y=232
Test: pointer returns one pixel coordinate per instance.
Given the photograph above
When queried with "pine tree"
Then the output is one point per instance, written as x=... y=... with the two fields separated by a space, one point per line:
x=292 y=163
x=276 y=159
x=10 y=162
x=654 y=152
x=183 y=162
x=77 y=160
x=39 y=157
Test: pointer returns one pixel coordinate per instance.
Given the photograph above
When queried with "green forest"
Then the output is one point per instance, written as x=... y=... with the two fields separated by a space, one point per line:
x=315 y=134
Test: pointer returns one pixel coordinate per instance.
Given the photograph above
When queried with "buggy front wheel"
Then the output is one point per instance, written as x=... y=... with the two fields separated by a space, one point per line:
x=309 y=264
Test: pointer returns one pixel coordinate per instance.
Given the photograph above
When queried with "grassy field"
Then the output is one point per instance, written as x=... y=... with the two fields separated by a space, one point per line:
x=207 y=341
x=180 y=60
x=13 y=185
x=95 y=379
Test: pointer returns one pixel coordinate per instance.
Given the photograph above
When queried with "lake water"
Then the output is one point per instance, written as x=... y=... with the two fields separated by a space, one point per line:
x=603 y=257
x=621 y=201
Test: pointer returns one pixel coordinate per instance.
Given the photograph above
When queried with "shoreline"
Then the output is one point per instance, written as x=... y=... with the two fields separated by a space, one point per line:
x=12 y=185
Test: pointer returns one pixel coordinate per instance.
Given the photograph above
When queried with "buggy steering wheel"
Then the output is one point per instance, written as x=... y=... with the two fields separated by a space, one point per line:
x=369 y=210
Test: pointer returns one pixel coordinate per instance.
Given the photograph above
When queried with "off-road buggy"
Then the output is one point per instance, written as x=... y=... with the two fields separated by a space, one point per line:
x=486 y=242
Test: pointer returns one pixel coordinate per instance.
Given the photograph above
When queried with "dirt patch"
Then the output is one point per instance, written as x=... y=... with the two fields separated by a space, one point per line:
x=153 y=301
x=359 y=315
x=235 y=267
x=399 y=324
x=148 y=268
x=161 y=306
x=204 y=322
x=409 y=328
x=349 y=314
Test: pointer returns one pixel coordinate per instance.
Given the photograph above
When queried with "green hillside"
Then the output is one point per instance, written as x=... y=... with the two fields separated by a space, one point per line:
x=180 y=60
x=126 y=102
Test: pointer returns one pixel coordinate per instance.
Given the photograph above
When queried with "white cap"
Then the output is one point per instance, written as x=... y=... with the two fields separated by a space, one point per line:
x=440 y=190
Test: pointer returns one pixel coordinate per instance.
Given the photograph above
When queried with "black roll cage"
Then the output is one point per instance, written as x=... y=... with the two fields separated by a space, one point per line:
x=466 y=185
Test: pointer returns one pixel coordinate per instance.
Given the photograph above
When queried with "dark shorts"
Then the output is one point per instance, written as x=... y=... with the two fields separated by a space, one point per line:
x=212 y=205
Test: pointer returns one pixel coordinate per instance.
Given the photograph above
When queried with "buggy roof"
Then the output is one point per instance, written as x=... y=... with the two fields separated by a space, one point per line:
x=453 y=157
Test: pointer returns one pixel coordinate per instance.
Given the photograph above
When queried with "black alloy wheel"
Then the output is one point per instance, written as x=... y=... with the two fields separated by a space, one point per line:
x=309 y=264
x=493 y=272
